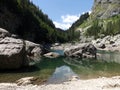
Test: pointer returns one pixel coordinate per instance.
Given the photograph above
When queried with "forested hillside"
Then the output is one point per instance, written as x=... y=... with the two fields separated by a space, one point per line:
x=104 y=27
x=23 y=18
x=75 y=25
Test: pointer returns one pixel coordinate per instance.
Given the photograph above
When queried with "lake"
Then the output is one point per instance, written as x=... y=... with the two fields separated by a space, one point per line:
x=106 y=65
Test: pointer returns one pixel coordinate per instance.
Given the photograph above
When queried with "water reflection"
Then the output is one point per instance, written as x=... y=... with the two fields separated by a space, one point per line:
x=61 y=74
x=61 y=52
x=79 y=62
x=65 y=67
x=102 y=57
x=107 y=64
x=109 y=56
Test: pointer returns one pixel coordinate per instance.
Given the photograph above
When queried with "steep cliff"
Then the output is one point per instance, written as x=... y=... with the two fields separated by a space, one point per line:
x=105 y=8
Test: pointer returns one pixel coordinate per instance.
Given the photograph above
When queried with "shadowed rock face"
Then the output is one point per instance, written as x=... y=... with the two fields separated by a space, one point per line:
x=15 y=52
x=105 y=8
x=12 y=51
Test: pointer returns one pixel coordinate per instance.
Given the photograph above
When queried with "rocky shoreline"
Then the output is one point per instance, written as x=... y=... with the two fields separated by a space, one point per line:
x=107 y=43
x=24 y=52
x=101 y=83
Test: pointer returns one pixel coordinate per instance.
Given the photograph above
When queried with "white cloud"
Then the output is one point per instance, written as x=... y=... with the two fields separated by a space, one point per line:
x=70 y=18
x=62 y=25
x=67 y=21
x=89 y=12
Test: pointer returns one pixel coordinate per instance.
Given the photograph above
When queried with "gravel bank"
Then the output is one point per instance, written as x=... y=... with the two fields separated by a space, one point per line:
x=91 y=84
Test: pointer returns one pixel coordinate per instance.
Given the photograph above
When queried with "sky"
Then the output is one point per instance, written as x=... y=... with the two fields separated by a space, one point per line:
x=64 y=12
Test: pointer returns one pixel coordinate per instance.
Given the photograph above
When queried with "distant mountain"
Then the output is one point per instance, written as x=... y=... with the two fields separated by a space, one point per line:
x=104 y=19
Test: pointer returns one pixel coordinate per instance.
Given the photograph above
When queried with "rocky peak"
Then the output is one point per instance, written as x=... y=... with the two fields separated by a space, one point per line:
x=106 y=1
x=105 y=8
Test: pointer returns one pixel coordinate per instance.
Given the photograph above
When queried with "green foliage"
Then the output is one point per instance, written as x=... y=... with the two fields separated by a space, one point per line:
x=113 y=26
x=62 y=36
x=94 y=30
x=73 y=34
x=110 y=26
x=79 y=21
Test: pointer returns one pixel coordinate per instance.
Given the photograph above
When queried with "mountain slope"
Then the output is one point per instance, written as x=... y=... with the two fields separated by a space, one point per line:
x=104 y=19
x=23 y=18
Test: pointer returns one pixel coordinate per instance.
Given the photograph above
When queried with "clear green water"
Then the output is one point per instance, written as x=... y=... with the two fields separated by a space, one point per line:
x=107 y=64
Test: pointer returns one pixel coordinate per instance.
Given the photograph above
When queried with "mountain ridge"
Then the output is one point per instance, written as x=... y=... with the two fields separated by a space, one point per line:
x=104 y=20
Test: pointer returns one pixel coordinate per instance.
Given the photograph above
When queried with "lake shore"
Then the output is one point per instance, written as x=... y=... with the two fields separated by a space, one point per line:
x=101 y=83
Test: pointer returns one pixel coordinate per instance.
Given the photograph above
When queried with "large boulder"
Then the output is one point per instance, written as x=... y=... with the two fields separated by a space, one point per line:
x=34 y=51
x=12 y=53
x=15 y=52
x=81 y=51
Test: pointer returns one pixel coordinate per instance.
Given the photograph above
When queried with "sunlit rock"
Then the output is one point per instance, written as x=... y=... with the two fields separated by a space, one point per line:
x=81 y=51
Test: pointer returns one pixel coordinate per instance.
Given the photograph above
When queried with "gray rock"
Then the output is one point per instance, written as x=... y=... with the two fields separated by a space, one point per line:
x=56 y=44
x=12 y=53
x=34 y=51
x=77 y=54
x=112 y=42
x=14 y=36
x=4 y=33
x=81 y=51
x=51 y=55
x=108 y=41
x=98 y=40
x=25 y=81
x=102 y=46
x=16 y=53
